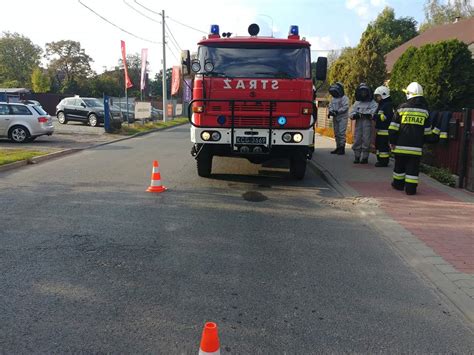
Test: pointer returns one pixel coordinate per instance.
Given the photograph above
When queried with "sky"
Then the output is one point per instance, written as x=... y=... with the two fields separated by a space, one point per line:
x=326 y=24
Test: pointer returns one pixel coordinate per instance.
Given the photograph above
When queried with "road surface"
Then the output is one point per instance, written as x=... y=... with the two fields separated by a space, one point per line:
x=92 y=263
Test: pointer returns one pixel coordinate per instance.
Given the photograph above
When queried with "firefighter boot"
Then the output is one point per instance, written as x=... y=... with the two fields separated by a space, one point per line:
x=335 y=151
x=341 y=151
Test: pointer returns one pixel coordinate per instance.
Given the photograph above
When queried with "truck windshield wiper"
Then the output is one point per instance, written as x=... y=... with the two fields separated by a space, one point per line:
x=217 y=74
x=279 y=74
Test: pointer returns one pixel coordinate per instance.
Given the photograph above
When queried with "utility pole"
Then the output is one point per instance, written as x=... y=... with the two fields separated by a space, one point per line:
x=165 y=98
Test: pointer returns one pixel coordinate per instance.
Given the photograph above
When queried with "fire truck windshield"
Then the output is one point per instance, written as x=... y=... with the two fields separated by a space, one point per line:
x=257 y=62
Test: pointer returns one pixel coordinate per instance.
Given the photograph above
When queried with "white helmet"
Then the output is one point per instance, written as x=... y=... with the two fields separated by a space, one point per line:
x=383 y=91
x=413 y=90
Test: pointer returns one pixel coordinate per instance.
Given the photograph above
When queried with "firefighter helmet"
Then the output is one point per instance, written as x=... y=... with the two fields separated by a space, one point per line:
x=413 y=90
x=383 y=91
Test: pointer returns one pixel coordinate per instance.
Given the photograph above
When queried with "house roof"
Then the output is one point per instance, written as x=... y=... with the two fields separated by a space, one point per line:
x=462 y=30
x=14 y=91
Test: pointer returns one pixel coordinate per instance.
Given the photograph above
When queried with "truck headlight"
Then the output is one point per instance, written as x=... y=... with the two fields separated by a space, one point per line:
x=297 y=137
x=287 y=137
x=205 y=136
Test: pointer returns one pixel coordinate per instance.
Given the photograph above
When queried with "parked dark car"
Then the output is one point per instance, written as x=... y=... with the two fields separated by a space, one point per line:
x=83 y=109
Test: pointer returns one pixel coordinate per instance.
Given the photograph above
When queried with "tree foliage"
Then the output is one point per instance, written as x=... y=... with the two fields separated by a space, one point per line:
x=18 y=58
x=69 y=63
x=392 y=32
x=40 y=81
x=437 y=13
x=444 y=69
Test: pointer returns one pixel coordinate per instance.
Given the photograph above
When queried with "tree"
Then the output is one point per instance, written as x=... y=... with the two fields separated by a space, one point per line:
x=444 y=69
x=18 y=57
x=40 y=81
x=341 y=69
x=69 y=63
x=157 y=84
x=439 y=14
x=392 y=32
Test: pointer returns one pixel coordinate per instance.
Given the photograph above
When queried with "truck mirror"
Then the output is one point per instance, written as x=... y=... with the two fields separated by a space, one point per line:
x=186 y=62
x=321 y=68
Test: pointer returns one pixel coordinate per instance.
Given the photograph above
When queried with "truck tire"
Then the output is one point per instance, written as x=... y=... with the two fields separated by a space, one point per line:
x=204 y=163
x=298 y=166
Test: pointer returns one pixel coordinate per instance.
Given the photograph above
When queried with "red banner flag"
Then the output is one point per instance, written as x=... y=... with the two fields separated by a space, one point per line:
x=175 y=79
x=128 y=82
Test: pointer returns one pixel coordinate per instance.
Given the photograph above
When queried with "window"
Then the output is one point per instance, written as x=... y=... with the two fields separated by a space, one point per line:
x=245 y=61
x=40 y=110
x=20 y=110
x=4 y=110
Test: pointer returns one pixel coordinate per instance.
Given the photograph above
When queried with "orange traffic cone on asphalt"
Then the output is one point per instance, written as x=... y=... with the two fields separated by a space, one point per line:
x=210 y=340
x=155 y=185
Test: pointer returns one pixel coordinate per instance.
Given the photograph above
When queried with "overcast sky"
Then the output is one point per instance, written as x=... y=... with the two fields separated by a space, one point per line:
x=327 y=24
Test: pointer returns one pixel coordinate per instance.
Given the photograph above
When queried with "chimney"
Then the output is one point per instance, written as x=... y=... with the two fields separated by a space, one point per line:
x=456 y=19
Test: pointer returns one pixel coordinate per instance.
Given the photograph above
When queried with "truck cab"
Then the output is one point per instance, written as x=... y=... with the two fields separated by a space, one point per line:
x=253 y=97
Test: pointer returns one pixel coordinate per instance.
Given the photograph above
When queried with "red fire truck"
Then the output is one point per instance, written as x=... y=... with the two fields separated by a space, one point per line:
x=253 y=97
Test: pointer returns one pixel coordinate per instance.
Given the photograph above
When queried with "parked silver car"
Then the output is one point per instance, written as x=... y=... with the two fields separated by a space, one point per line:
x=24 y=122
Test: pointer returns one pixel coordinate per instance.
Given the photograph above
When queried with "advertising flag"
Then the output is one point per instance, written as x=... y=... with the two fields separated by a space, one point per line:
x=175 y=79
x=143 y=73
x=128 y=82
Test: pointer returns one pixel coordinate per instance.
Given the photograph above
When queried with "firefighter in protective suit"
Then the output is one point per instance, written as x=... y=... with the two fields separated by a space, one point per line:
x=362 y=112
x=383 y=117
x=339 y=112
x=408 y=131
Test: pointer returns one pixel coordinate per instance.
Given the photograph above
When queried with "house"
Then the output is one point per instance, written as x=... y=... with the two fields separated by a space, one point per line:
x=463 y=30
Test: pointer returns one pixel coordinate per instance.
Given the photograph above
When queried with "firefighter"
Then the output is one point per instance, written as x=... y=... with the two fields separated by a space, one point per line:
x=383 y=117
x=338 y=111
x=362 y=112
x=409 y=129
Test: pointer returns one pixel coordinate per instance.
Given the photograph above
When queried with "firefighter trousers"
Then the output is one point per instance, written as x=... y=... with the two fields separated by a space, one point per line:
x=340 y=127
x=362 y=137
x=382 y=147
x=405 y=172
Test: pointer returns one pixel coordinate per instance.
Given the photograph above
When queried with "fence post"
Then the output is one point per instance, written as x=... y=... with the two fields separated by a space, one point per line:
x=465 y=145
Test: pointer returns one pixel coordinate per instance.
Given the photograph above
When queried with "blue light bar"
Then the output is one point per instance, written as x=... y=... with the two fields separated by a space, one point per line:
x=214 y=29
x=221 y=120
x=294 y=31
x=282 y=120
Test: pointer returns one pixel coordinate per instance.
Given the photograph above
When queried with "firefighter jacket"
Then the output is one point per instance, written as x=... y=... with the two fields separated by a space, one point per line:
x=443 y=126
x=363 y=109
x=383 y=116
x=340 y=107
x=410 y=127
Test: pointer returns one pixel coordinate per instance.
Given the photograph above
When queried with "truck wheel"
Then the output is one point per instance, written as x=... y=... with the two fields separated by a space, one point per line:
x=298 y=166
x=204 y=164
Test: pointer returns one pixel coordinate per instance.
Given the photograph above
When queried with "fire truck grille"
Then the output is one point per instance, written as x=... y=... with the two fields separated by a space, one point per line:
x=252 y=122
x=246 y=107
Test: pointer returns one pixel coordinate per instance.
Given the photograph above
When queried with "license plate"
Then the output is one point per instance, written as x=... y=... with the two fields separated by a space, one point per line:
x=251 y=140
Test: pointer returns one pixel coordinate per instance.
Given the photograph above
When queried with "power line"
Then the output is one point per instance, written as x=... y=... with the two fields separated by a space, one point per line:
x=172 y=36
x=190 y=27
x=141 y=13
x=146 y=8
x=172 y=52
x=116 y=26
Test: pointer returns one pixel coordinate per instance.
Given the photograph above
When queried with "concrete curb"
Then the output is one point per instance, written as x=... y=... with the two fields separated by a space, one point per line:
x=61 y=153
x=406 y=245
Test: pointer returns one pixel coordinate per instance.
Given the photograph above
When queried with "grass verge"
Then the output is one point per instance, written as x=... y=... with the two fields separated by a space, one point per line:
x=138 y=127
x=8 y=156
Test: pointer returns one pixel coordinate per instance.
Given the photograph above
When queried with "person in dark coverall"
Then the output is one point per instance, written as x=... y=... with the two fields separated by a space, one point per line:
x=362 y=112
x=383 y=118
x=408 y=131
x=339 y=112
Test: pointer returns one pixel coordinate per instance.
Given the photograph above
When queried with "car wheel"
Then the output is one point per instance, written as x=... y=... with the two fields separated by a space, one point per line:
x=62 y=118
x=93 y=122
x=19 y=134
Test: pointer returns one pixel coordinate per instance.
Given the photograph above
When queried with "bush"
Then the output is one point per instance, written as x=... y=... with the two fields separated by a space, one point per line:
x=442 y=175
x=444 y=69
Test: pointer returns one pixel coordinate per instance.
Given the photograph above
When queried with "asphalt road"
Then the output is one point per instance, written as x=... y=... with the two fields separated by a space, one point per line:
x=92 y=263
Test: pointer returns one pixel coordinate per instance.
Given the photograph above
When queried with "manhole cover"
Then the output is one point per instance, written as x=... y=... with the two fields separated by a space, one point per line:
x=254 y=196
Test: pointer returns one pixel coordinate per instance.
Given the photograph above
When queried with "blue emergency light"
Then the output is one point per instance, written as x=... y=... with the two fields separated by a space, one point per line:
x=281 y=120
x=294 y=30
x=221 y=120
x=214 y=29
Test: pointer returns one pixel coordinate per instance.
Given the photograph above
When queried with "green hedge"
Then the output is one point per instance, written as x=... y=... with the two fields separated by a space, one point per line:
x=445 y=70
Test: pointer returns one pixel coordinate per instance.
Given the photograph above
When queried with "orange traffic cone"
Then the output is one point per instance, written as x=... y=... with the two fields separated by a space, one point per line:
x=155 y=185
x=210 y=340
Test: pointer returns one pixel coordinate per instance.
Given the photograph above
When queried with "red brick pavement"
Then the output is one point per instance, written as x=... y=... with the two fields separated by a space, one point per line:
x=442 y=222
